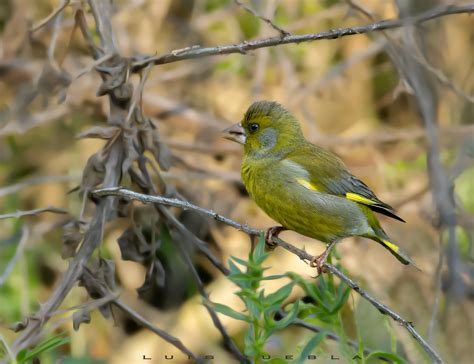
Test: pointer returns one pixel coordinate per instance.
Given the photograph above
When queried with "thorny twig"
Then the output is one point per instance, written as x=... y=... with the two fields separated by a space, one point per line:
x=302 y=254
x=198 y=52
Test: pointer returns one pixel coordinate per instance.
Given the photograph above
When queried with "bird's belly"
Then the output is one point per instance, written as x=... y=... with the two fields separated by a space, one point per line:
x=317 y=215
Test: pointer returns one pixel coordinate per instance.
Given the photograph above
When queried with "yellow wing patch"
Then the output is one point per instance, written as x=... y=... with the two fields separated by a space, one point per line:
x=391 y=246
x=358 y=198
x=307 y=184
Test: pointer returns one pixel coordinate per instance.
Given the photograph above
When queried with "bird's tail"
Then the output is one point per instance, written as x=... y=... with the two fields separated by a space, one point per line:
x=396 y=251
x=382 y=238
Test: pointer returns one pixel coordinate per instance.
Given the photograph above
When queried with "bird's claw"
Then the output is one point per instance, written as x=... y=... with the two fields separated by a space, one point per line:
x=270 y=233
x=318 y=263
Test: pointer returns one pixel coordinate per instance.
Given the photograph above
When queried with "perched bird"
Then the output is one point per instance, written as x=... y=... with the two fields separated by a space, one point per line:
x=302 y=186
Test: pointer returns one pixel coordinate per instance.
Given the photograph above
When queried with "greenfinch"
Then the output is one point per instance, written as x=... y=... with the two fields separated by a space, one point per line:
x=304 y=187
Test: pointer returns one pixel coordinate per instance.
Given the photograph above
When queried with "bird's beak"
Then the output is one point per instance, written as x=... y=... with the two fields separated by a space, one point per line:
x=235 y=133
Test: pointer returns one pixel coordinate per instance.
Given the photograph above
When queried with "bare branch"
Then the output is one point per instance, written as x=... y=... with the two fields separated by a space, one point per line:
x=19 y=249
x=283 y=32
x=50 y=17
x=303 y=255
x=18 y=214
x=198 y=52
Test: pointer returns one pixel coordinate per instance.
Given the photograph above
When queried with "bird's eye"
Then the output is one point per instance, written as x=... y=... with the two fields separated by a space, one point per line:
x=253 y=127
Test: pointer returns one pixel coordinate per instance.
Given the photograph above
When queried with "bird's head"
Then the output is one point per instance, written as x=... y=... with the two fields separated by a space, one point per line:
x=265 y=128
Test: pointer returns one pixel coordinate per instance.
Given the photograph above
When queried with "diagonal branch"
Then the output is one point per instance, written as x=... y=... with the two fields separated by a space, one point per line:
x=199 y=52
x=302 y=254
x=144 y=322
x=51 y=16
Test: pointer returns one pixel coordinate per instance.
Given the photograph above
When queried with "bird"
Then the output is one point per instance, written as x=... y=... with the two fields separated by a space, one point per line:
x=304 y=187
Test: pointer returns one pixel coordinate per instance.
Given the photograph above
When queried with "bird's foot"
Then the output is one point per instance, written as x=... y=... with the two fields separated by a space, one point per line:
x=272 y=232
x=319 y=260
x=318 y=263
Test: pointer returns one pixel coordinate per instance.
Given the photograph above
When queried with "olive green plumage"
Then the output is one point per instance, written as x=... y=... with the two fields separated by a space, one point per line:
x=304 y=187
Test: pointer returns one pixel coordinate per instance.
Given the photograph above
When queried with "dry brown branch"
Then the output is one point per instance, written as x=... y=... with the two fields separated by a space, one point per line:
x=302 y=254
x=199 y=52
x=18 y=214
x=50 y=17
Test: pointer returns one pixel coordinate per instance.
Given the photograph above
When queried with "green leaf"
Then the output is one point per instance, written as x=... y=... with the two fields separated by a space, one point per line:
x=315 y=293
x=259 y=255
x=341 y=299
x=249 y=342
x=165 y=234
x=322 y=283
x=272 y=277
x=226 y=310
x=233 y=268
x=288 y=319
x=243 y=280
x=310 y=345
x=253 y=306
x=240 y=261
x=393 y=337
x=390 y=356
x=47 y=345
x=280 y=295
x=360 y=349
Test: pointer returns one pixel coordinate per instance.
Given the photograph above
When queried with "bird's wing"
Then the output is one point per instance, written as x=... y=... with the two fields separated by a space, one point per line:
x=327 y=173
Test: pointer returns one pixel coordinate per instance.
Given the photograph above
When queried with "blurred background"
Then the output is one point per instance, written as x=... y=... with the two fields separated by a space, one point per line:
x=351 y=96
